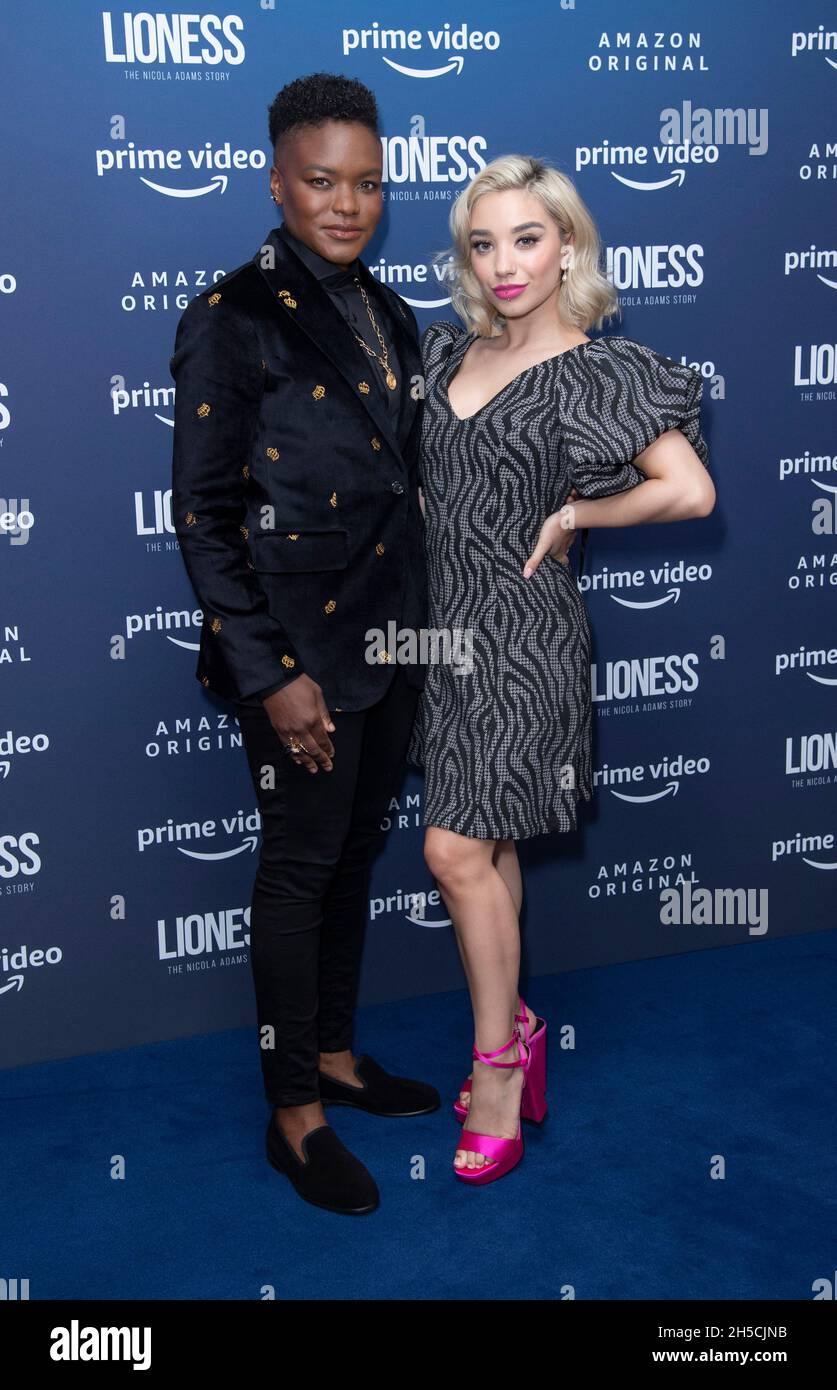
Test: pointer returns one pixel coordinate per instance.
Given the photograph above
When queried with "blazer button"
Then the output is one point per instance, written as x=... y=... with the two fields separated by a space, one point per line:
x=379 y=548
x=375 y=442
x=396 y=487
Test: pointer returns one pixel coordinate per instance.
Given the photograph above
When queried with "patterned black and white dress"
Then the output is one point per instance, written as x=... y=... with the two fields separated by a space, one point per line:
x=503 y=734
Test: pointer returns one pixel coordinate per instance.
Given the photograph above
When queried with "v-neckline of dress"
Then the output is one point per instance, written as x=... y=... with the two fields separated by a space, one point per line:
x=468 y=338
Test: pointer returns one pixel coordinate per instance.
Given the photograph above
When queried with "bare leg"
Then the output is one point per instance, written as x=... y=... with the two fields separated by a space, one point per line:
x=508 y=866
x=485 y=920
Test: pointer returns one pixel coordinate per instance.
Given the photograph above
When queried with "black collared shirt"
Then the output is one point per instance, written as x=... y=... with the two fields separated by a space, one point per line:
x=339 y=283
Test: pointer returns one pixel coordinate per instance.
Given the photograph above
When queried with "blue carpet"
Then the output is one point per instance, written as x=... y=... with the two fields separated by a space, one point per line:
x=716 y=1052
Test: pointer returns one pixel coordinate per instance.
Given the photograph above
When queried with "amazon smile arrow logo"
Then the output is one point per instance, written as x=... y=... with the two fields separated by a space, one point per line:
x=216 y=185
x=248 y=844
x=455 y=64
x=676 y=178
x=671 y=789
x=673 y=596
x=418 y=921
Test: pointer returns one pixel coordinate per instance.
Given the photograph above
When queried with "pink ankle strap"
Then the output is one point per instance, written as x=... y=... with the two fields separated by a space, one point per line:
x=524 y=1019
x=487 y=1056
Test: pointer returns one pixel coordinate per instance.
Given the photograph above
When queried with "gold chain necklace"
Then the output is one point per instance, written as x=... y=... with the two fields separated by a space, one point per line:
x=382 y=357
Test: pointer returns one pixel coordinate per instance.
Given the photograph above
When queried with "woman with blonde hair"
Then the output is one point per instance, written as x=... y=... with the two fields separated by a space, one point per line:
x=531 y=430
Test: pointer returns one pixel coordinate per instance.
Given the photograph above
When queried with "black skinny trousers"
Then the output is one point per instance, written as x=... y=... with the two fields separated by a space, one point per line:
x=320 y=833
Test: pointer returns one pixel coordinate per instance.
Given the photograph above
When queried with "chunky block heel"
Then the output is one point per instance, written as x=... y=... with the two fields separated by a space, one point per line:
x=534 y=1093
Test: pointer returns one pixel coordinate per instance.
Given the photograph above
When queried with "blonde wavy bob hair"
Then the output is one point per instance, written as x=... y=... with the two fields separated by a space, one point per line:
x=586 y=297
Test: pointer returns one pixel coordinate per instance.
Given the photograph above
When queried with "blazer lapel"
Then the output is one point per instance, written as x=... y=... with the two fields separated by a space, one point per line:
x=298 y=294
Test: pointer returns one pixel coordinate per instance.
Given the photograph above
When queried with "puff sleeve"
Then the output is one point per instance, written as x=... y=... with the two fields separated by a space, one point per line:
x=619 y=396
x=436 y=341
x=438 y=335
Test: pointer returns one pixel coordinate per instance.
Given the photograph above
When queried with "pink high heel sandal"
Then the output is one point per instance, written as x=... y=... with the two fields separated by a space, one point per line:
x=534 y=1094
x=502 y=1154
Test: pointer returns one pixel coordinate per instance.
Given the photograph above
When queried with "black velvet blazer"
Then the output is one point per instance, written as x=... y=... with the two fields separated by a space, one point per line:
x=294 y=496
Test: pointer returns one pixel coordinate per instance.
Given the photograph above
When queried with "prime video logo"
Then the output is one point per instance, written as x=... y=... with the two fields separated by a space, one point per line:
x=689 y=136
x=456 y=41
x=78 y=1343
x=413 y=905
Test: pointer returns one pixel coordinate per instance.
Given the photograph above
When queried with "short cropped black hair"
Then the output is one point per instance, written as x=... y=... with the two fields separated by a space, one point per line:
x=319 y=97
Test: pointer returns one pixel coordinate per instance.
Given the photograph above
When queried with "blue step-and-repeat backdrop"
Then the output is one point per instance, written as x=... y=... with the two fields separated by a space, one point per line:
x=134 y=171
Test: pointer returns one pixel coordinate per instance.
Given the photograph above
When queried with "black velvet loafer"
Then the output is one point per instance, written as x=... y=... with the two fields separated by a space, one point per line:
x=331 y=1177
x=380 y=1094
